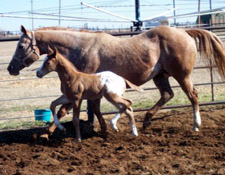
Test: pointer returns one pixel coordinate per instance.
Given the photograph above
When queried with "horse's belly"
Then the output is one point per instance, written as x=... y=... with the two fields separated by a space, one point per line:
x=91 y=96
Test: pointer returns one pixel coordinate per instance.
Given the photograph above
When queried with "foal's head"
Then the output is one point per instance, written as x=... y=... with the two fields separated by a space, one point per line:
x=49 y=64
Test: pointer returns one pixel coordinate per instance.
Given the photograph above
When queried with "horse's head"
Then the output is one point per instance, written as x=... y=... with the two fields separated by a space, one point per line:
x=49 y=64
x=26 y=52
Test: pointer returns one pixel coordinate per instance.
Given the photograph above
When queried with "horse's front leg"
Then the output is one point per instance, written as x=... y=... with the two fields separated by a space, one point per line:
x=76 y=115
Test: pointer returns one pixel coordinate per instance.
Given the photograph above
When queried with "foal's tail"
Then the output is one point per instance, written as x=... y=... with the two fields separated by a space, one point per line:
x=210 y=47
x=133 y=86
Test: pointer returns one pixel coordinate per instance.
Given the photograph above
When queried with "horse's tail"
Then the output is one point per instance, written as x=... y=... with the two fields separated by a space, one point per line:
x=133 y=86
x=210 y=47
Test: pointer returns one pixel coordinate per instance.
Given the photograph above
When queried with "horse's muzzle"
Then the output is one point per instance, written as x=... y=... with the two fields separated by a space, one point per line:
x=39 y=74
x=12 y=70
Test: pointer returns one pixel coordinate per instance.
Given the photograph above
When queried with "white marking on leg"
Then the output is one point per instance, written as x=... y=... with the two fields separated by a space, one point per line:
x=134 y=130
x=197 y=121
x=114 y=121
x=57 y=123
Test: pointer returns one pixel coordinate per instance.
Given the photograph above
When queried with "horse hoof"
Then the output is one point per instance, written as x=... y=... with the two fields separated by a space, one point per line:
x=78 y=140
x=103 y=132
x=135 y=134
x=146 y=124
x=35 y=137
x=64 y=130
x=196 y=129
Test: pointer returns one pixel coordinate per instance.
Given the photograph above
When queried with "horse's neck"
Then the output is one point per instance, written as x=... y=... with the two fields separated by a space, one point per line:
x=66 y=71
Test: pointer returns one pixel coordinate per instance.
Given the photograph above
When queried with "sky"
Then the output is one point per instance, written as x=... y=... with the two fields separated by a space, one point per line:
x=73 y=8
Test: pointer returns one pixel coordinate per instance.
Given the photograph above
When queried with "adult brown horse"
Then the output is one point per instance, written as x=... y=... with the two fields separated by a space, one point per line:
x=155 y=54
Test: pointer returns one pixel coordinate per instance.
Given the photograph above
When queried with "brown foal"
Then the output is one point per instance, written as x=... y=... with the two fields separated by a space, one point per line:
x=76 y=86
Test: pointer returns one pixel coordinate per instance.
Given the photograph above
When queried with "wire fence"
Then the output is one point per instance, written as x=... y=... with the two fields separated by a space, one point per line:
x=21 y=100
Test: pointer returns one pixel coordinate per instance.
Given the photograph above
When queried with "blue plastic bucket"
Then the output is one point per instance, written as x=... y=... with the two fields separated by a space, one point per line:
x=43 y=115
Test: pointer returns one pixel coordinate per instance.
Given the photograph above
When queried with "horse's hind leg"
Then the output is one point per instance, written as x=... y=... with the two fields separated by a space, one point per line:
x=96 y=109
x=166 y=93
x=192 y=94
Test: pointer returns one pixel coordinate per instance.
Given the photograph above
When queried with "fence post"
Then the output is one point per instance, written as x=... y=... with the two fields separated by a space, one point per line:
x=211 y=79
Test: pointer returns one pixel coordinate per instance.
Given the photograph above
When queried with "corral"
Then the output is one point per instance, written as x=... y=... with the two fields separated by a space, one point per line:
x=167 y=147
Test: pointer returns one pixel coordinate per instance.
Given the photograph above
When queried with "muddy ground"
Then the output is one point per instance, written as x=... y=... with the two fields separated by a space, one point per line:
x=168 y=147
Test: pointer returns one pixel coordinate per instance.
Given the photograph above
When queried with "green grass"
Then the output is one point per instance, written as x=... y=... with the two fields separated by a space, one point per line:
x=22 y=108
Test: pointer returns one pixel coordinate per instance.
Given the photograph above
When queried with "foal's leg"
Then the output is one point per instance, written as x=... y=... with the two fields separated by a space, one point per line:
x=96 y=109
x=166 y=93
x=124 y=105
x=129 y=113
x=76 y=122
x=55 y=123
x=192 y=94
x=61 y=113
x=61 y=100
x=113 y=122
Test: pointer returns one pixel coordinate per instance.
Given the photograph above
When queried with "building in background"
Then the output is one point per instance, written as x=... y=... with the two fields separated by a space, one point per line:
x=212 y=19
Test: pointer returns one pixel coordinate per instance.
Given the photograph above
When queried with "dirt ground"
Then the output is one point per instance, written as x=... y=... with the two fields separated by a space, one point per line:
x=169 y=146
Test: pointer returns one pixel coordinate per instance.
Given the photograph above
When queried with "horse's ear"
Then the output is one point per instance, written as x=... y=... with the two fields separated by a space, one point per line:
x=23 y=30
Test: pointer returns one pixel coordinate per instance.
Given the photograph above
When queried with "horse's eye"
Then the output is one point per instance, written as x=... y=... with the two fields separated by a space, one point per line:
x=21 y=46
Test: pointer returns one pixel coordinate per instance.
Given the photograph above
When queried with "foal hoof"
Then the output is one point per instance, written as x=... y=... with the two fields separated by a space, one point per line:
x=44 y=136
x=135 y=134
x=114 y=127
x=196 y=129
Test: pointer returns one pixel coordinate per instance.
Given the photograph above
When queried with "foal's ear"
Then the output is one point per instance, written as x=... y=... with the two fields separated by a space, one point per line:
x=55 y=50
x=50 y=50
x=23 y=30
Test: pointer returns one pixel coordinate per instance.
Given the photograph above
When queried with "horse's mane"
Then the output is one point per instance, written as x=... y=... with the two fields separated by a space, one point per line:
x=67 y=29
